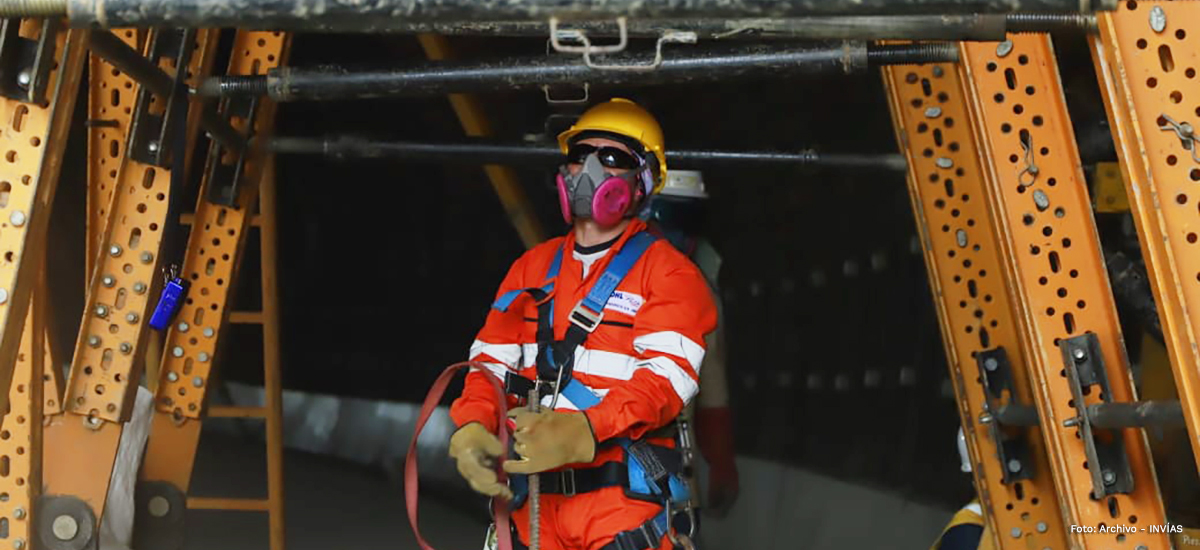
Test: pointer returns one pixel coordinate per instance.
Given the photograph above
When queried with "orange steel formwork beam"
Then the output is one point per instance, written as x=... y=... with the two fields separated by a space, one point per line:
x=1146 y=58
x=946 y=186
x=213 y=256
x=32 y=142
x=21 y=432
x=110 y=106
x=475 y=124
x=1054 y=269
x=81 y=444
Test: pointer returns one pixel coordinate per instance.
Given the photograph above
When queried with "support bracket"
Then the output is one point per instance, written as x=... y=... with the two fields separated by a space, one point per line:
x=25 y=64
x=150 y=131
x=1012 y=450
x=1105 y=448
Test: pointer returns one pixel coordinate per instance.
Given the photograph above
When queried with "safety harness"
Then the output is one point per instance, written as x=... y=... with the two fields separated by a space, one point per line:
x=649 y=472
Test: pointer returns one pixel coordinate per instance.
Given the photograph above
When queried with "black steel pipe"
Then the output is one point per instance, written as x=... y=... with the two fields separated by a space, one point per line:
x=1016 y=415
x=359 y=15
x=117 y=52
x=483 y=152
x=1132 y=290
x=534 y=73
x=981 y=27
x=1139 y=414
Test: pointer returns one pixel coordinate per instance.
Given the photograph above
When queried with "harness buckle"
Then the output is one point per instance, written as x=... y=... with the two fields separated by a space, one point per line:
x=583 y=318
x=567 y=482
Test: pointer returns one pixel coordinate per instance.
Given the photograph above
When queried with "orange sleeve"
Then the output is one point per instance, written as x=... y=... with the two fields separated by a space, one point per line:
x=498 y=346
x=668 y=341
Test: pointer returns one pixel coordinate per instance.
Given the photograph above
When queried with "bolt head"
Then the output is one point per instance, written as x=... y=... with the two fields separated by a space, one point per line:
x=65 y=527
x=108 y=281
x=183 y=327
x=177 y=351
x=126 y=348
x=1016 y=532
x=24 y=78
x=115 y=250
x=1014 y=465
x=1004 y=48
x=1109 y=478
x=203 y=357
x=17 y=218
x=991 y=363
x=102 y=311
x=152 y=146
x=172 y=376
x=18 y=544
x=198 y=382
x=94 y=341
x=985 y=418
x=147 y=257
x=1158 y=19
x=1042 y=527
x=19 y=513
x=159 y=506
x=139 y=287
x=132 y=317
x=3 y=296
x=209 y=332
x=1079 y=354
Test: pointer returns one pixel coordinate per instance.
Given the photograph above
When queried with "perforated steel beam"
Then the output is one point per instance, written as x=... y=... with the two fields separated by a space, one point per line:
x=964 y=262
x=110 y=106
x=21 y=436
x=1146 y=58
x=31 y=145
x=1066 y=322
x=214 y=254
x=81 y=444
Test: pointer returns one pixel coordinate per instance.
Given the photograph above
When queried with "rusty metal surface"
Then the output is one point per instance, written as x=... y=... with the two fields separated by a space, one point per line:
x=1146 y=57
x=946 y=186
x=356 y=15
x=1055 y=271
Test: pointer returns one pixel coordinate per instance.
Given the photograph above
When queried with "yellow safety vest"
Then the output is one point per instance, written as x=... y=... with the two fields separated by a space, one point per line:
x=971 y=514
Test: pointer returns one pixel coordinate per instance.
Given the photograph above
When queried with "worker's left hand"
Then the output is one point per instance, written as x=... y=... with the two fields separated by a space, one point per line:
x=548 y=439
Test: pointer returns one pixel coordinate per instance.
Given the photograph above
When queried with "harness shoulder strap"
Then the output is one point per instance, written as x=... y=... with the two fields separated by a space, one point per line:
x=539 y=293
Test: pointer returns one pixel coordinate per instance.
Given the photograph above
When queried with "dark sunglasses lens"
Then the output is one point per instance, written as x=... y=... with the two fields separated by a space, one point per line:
x=616 y=158
x=577 y=153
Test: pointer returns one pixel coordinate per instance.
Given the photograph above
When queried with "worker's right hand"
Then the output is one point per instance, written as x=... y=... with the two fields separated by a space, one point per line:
x=474 y=449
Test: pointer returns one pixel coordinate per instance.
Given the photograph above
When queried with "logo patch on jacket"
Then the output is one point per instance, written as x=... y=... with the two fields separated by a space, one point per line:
x=625 y=302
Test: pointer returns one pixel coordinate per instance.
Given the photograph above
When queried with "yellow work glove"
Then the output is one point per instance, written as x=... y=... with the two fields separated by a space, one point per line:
x=474 y=449
x=548 y=439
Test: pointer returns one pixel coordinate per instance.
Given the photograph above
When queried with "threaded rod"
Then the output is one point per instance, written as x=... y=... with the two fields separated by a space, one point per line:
x=911 y=54
x=1046 y=22
x=33 y=8
x=233 y=85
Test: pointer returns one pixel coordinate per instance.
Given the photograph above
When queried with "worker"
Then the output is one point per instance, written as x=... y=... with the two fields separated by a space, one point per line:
x=678 y=212
x=968 y=529
x=606 y=327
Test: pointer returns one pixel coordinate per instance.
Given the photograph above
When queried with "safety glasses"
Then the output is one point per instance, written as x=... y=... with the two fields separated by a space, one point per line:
x=610 y=157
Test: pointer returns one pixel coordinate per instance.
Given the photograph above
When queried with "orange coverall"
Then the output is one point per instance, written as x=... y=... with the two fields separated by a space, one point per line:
x=643 y=361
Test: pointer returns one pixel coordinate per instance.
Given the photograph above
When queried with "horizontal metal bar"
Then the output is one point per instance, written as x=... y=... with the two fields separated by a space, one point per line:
x=128 y=60
x=237 y=412
x=538 y=72
x=369 y=16
x=232 y=504
x=970 y=27
x=483 y=152
x=1140 y=414
x=1016 y=415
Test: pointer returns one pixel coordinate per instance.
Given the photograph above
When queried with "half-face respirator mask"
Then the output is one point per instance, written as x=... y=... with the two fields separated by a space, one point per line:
x=594 y=193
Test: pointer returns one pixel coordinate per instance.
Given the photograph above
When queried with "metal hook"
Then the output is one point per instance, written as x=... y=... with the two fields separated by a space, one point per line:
x=1030 y=166
x=1186 y=135
x=556 y=35
x=584 y=99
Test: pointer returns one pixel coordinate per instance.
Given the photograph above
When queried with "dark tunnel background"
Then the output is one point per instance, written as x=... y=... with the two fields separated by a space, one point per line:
x=387 y=268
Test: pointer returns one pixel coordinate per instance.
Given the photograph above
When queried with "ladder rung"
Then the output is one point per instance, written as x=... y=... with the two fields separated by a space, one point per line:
x=237 y=412
x=246 y=317
x=189 y=219
x=238 y=504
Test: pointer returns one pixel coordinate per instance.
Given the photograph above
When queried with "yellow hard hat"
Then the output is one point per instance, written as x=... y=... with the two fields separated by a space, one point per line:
x=625 y=118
